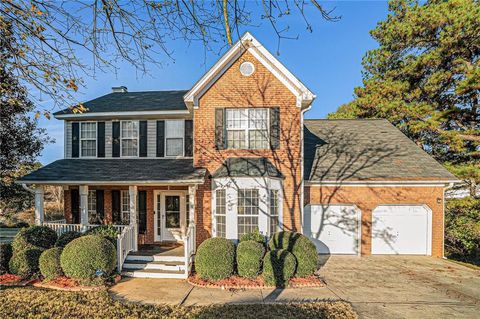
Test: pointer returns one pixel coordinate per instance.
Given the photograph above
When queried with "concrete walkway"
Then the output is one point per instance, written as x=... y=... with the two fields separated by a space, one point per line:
x=377 y=287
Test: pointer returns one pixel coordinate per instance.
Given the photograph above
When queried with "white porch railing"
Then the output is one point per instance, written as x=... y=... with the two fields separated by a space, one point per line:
x=189 y=243
x=62 y=227
x=58 y=221
x=125 y=244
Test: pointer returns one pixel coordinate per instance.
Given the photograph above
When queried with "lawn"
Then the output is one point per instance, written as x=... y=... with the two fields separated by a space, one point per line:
x=38 y=303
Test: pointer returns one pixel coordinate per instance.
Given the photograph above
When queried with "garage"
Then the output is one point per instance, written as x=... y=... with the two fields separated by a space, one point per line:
x=401 y=230
x=335 y=229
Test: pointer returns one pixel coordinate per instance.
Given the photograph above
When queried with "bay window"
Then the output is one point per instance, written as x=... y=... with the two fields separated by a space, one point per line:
x=247 y=128
x=248 y=205
x=88 y=139
x=220 y=213
x=129 y=138
x=273 y=211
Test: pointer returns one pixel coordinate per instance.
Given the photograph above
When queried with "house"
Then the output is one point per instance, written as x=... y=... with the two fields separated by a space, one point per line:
x=234 y=154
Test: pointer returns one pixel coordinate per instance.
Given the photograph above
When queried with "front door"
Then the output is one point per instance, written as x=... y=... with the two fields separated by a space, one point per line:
x=169 y=215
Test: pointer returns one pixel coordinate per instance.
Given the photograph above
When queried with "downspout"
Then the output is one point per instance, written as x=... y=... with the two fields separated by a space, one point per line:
x=28 y=189
x=447 y=187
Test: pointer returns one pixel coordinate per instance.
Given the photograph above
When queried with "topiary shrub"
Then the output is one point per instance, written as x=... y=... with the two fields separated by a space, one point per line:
x=301 y=247
x=49 y=263
x=87 y=256
x=215 y=259
x=67 y=237
x=32 y=237
x=278 y=267
x=107 y=231
x=24 y=263
x=255 y=236
x=249 y=258
x=5 y=256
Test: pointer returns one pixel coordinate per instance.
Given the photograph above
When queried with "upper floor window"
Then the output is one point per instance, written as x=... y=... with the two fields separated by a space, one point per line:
x=247 y=128
x=129 y=138
x=174 y=135
x=88 y=139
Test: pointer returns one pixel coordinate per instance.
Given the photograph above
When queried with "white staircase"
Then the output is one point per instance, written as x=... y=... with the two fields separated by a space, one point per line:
x=154 y=266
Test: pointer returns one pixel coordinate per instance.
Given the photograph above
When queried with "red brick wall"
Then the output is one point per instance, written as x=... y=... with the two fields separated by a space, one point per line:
x=368 y=198
x=262 y=89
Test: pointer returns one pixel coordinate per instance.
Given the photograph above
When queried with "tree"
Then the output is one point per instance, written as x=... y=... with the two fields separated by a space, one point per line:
x=21 y=139
x=50 y=34
x=425 y=78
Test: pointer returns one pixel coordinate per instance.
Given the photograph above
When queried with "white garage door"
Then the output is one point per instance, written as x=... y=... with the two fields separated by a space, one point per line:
x=404 y=229
x=333 y=228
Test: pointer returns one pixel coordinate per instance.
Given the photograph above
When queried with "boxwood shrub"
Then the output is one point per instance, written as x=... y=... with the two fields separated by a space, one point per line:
x=49 y=263
x=67 y=237
x=32 y=237
x=255 y=235
x=5 y=256
x=107 y=231
x=24 y=263
x=278 y=267
x=249 y=258
x=88 y=256
x=215 y=258
x=301 y=247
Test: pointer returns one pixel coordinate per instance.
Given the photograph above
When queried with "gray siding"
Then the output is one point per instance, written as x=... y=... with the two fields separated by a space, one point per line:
x=108 y=138
x=152 y=138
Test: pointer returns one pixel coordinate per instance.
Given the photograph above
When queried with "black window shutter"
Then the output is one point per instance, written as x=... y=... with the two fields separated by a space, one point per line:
x=219 y=129
x=100 y=206
x=75 y=202
x=116 y=215
x=100 y=139
x=142 y=212
x=160 y=138
x=188 y=138
x=115 y=139
x=275 y=128
x=75 y=139
x=143 y=139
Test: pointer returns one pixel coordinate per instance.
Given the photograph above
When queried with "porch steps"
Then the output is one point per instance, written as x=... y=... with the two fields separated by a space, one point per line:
x=150 y=258
x=145 y=264
x=155 y=273
x=160 y=265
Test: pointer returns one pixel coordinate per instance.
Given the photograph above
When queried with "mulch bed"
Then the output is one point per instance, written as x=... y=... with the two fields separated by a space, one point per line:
x=237 y=282
x=9 y=280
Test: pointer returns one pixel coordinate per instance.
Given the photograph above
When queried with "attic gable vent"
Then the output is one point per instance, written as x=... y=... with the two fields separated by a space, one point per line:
x=119 y=89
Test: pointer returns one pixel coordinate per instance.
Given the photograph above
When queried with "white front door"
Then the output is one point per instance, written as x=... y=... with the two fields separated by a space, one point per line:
x=170 y=215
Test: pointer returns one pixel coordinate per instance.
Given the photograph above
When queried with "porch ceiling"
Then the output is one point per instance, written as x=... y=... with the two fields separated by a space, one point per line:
x=116 y=171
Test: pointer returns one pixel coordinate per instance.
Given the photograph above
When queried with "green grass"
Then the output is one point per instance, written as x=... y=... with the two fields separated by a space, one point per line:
x=38 y=303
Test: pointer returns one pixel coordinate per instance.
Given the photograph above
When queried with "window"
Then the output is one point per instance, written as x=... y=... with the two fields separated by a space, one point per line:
x=273 y=211
x=125 y=207
x=247 y=128
x=129 y=138
x=174 y=134
x=220 y=213
x=93 y=217
x=88 y=139
x=247 y=211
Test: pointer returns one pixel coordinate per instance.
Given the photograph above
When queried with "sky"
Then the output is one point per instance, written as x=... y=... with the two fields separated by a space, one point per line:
x=327 y=61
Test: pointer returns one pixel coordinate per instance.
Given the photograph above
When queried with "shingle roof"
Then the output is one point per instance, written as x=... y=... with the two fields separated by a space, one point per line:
x=135 y=101
x=116 y=170
x=365 y=150
x=247 y=167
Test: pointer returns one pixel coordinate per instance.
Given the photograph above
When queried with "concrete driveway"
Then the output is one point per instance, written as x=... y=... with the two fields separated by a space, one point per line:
x=377 y=287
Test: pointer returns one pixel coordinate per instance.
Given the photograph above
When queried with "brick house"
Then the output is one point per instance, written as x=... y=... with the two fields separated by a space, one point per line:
x=232 y=155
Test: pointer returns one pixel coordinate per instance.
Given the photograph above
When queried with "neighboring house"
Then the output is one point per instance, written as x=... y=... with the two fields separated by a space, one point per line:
x=234 y=154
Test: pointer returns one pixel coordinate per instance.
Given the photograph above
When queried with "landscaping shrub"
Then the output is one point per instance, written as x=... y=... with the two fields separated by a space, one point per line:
x=255 y=236
x=107 y=231
x=49 y=263
x=301 y=247
x=278 y=267
x=32 y=237
x=22 y=225
x=67 y=237
x=249 y=258
x=24 y=263
x=215 y=258
x=5 y=256
x=85 y=257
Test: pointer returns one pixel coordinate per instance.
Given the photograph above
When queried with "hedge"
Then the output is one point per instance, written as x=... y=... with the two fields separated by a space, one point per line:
x=278 y=267
x=32 y=237
x=108 y=231
x=5 y=256
x=24 y=263
x=215 y=259
x=67 y=237
x=301 y=247
x=88 y=256
x=255 y=236
x=249 y=258
x=49 y=263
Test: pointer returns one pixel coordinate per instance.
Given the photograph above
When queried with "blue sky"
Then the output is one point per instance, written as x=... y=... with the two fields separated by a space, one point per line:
x=327 y=61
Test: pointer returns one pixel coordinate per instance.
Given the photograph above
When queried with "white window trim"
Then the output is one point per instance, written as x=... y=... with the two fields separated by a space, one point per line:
x=270 y=210
x=215 y=214
x=247 y=128
x=88 y=139
x=122 y=195
x=165 y=140
x=138 y=139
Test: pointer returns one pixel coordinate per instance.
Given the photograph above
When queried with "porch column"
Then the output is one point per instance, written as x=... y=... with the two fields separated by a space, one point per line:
x=191 y=203
x=132 y=191
x=84 y=206
x=39 y=212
